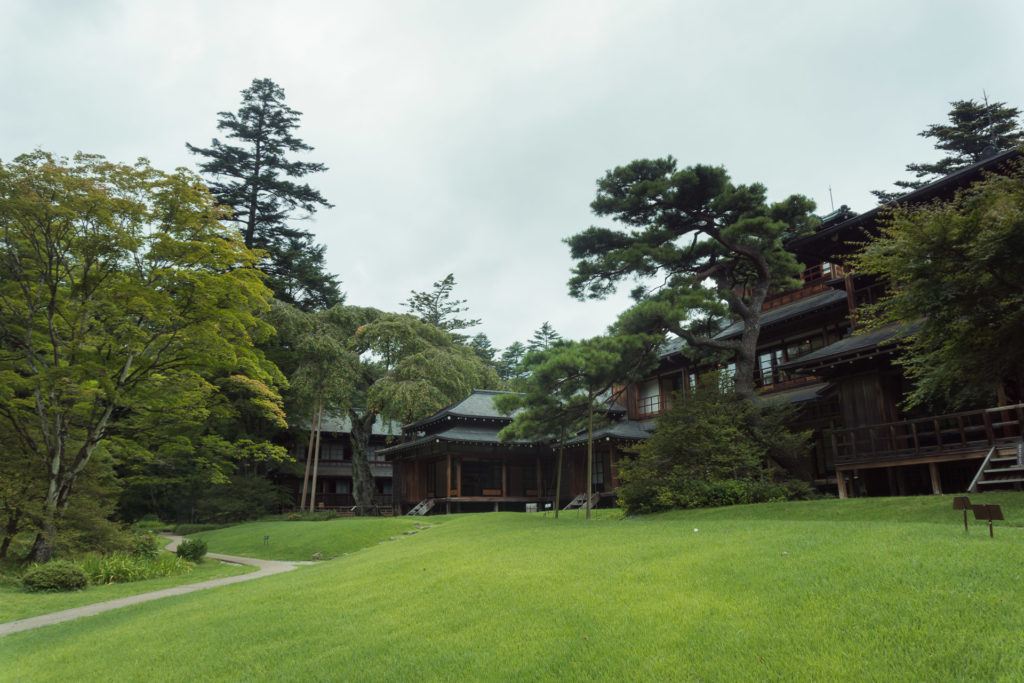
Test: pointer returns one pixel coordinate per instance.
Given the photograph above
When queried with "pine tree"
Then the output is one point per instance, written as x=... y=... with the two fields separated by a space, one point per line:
x=437 y=307
x=482 y=347
x=543 y=338
x=975 y=130
x=510 y=361
x=256 y=181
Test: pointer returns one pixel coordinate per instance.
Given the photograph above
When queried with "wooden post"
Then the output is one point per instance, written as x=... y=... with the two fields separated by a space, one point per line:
x=448 y=473
x=458 y=477
x=540 y=491
x=504 y=481
x=841 y=484
x=316 y=460
x=933 y=469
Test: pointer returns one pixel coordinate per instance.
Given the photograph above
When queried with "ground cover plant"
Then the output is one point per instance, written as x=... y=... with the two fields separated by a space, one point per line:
x=872 y=589
x=299 y=540
x=15 y=603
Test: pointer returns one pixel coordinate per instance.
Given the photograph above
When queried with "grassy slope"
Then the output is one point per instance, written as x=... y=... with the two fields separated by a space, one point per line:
x=17 y=604
x=773 y=591
x=299 y=540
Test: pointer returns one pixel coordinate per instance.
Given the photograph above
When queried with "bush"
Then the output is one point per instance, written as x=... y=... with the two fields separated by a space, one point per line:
x=192 y=549
x=56 y=575
x=145 y=544
x=712 y=449
x=125 y=567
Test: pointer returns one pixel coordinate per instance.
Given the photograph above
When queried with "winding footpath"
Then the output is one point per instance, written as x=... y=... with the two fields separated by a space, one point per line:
x=265 y=568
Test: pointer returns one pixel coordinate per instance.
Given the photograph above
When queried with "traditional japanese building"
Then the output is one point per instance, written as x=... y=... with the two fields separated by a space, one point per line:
x=455 y=461
x=845 y=385
x=334 y=469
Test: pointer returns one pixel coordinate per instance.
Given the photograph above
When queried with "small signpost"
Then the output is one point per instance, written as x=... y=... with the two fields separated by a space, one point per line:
x=962 y=503
x=988 y=513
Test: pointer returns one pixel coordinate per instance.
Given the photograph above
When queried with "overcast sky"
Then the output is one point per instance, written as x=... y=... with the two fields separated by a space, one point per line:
x=466 y=137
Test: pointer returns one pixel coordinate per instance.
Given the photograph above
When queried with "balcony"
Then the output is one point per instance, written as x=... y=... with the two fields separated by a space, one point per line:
x=944 y=437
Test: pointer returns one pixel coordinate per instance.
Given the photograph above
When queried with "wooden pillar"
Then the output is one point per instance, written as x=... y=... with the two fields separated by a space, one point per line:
x=458 y=477
x=540 y=490
x=504 y=481
x=851 y=299
x=933 y=469
x=448 y=474
x=841 y=483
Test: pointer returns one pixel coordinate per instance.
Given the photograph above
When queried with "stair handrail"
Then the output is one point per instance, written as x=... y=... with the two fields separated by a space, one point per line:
x=973 y=488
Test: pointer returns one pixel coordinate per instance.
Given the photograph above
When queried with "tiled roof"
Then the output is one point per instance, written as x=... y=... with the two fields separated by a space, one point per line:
x=626 y=430
x=342 y=424
x=853 y=344
x=482 y=434
x=479 y=404
x=800 y=307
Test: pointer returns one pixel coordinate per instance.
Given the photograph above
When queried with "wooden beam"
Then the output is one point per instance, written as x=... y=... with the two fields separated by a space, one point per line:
x=933 y=469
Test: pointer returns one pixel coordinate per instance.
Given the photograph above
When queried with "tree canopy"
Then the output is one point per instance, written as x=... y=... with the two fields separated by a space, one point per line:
x=437 y=306
x=700 y=248
x=258 y=181
x=975 y=130
x=119 y=288
x=953 y=268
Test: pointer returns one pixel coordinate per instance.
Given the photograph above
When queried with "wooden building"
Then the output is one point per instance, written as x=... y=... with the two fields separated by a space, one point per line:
x=454 y=461
x=846 y=386
x=334 y=472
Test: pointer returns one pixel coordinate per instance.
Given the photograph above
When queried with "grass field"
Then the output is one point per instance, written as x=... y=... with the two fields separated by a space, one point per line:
x=17 y=604
x=882 y=589
x=299 y=540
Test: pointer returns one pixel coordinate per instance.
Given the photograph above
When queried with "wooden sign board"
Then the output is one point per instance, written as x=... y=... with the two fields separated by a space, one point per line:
x=961 y=503
x=988 y=512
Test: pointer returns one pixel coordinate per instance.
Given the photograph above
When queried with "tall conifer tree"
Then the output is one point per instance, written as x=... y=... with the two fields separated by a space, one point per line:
x=257 y=181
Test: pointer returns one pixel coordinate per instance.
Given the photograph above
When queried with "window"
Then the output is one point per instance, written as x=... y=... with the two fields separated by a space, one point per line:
x=649 y=399
x=598 y=474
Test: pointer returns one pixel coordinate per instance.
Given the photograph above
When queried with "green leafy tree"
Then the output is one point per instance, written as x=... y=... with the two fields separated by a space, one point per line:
x=954 y=269
x=574 y=382
x=482 y=347
x=113 y=276
x=437 y=307
x=975 y=130
x=544 y=337
x=509 y=365
x=258 y=182
x=715 y=249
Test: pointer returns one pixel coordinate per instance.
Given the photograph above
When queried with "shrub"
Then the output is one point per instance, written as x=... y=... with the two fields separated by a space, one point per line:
x=56 y=575
x=711 y=449
x=145 y=544
x=125 y=567
x=192 y=549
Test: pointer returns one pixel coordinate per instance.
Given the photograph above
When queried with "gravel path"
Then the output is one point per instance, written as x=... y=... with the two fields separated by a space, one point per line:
x=266 y=568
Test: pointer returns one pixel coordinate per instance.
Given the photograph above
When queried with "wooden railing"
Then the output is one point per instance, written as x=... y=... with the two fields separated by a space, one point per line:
x=926 y=436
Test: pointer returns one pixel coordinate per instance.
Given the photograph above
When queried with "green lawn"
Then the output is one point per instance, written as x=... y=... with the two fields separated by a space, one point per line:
x=883 y=589
x=17 y=604
x=299 y=540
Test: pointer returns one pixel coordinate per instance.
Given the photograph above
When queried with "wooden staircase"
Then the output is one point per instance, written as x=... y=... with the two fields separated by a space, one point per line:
x=580 y=501
x=423 y=507
x=1003 y=466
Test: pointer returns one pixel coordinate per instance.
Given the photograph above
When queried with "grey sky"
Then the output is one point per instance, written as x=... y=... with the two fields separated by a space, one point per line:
x=466 y=137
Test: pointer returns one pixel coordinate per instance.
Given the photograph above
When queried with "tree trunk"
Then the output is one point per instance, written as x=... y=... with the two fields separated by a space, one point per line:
x=10 y=530
x=362 y=476
x=746 y=361
x=316 y=464
x=590 y=453
x=314 y=425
